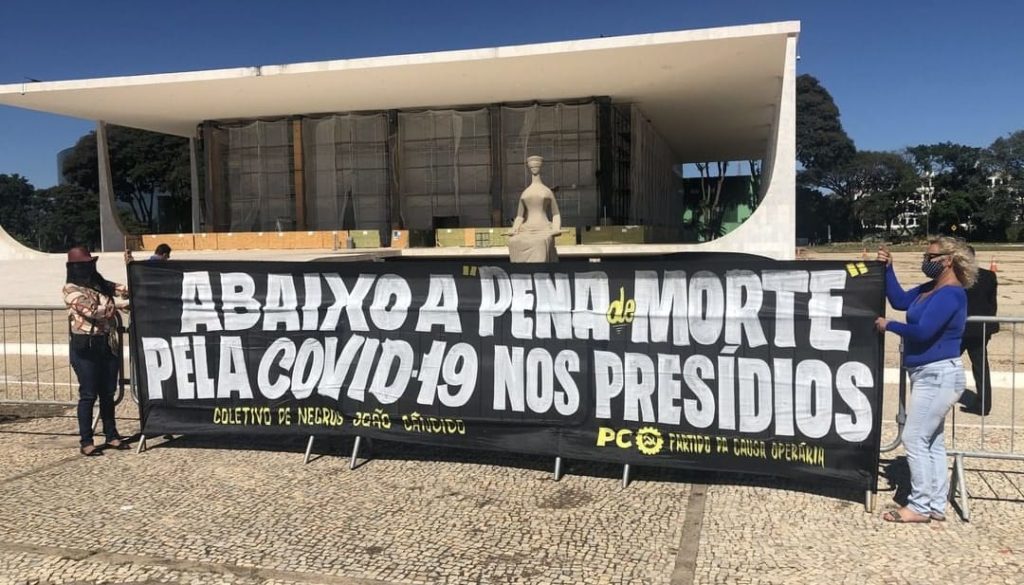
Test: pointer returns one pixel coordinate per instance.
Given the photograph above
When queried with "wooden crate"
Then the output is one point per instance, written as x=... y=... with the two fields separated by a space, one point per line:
x=329 y=240
x=614 y=234
x=400 y=239
x=497 y=236
x=204 y=242
x=450 y=237
x=241 y=241
x=492 y=237
x=275 y=240
x=365 y=238
x=567 y=237
x=175 y=241
x=308 y=240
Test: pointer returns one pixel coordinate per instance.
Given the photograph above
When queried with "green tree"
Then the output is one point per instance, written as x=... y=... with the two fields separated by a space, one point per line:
x=1005 y=161
x=822 y=147
x=707 y=212
x=957 y=178
x=884 y=186
x=821 y=142
x=1006 y=158
x=67 y=216
x=142 y=164
x=15 y=207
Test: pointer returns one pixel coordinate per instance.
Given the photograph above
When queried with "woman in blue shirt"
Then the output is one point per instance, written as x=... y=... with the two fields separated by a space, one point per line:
x=936 y=315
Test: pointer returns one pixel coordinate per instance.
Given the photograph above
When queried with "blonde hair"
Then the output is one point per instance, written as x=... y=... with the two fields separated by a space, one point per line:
x=965 y=266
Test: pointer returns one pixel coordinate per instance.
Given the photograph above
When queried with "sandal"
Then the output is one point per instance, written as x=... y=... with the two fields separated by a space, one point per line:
x=121 y=445
x=895 y=517
x=95 y=452
x=937 y=516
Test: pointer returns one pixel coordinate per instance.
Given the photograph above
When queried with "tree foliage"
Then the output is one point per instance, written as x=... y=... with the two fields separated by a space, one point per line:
x=883 y=186
x=51 y=220
x=142 y=164
x=70 y=217
x=956 y=181
x=953 y=188
x=16 y=205
x=821 y=142
x=707 y=212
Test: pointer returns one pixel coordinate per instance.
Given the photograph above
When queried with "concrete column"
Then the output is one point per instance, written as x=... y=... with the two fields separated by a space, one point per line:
x=111 y=231
x=771 y=230
x=196 y=188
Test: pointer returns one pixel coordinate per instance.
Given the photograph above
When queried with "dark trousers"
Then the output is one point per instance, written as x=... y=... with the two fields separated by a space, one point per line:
x=96 y=368
x=975 y=348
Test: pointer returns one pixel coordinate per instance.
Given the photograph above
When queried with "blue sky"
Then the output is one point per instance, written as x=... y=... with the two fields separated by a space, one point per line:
x=903 y=73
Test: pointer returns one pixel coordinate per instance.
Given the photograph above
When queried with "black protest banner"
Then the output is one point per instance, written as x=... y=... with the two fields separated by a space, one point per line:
x=715 y=363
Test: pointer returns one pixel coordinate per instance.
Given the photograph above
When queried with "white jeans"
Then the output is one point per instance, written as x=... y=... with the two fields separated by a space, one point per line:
x=935 y=388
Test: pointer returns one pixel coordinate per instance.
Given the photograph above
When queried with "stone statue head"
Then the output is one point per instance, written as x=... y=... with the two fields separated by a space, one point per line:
x=534 y=163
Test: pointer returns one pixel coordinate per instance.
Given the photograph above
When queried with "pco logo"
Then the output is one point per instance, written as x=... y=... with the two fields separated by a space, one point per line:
x=648 y=440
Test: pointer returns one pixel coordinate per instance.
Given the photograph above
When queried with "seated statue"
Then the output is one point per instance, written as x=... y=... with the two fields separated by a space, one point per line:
x=533 y=234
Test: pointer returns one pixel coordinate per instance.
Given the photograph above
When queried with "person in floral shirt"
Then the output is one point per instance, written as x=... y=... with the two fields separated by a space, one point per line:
x=92 y=303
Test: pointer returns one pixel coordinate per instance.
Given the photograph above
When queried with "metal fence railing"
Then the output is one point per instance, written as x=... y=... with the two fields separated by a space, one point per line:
x=35 y=363
x=990 y=430
x=34 y=359
x=992 y=435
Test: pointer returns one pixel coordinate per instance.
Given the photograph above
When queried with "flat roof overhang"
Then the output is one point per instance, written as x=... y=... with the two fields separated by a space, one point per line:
x=712 y=93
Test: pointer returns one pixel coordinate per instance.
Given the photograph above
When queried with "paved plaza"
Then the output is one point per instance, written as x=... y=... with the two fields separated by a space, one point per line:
x=188 y=511
x=205 y=512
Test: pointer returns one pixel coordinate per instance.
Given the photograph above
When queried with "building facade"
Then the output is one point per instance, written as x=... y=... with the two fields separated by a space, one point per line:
x=435 y=140
x=438 y=168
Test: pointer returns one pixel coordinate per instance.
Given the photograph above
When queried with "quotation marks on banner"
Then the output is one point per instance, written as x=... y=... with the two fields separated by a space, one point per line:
x=856 y=269
x=648 y=440
x=468 y=270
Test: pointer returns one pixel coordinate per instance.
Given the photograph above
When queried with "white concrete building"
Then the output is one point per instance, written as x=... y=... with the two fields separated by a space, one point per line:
x=436 y=140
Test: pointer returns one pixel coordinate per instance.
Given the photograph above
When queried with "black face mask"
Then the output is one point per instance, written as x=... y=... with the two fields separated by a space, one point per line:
x=85 y=274
x=932 y=268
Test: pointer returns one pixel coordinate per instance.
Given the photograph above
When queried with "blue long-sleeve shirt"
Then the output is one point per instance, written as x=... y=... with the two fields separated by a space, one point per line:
x=935 y=324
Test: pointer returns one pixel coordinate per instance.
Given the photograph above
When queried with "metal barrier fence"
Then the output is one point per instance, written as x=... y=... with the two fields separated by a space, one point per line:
x=988 y=440
x=35 y=363
x=972 y=434
x=35 y=368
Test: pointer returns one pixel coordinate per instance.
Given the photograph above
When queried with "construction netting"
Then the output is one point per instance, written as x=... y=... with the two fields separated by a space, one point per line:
x=444 y=162
x=434 y=169
x=256 y=186
x=346 y=171
x=656 y=187
x=566 y=136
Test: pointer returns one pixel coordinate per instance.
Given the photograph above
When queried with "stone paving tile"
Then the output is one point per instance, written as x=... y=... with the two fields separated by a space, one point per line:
x=190 y=513
x=786 y=538
x=33 y=442
x=28 y=568
x=758 y=535
x=401 y=518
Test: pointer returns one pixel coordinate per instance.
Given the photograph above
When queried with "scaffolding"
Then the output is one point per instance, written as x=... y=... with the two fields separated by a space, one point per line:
x=566 y=136
x=346 y=171
x=444 y=168
x=254 y=177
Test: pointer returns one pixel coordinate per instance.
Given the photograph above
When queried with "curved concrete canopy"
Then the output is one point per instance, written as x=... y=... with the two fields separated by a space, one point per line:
x=712 y=93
